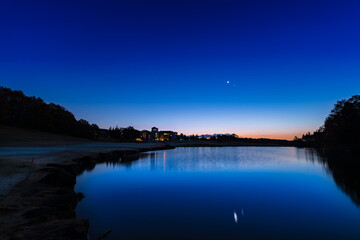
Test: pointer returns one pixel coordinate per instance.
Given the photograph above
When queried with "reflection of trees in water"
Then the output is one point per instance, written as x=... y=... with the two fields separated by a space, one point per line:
x=126 y=161
x=345 y=169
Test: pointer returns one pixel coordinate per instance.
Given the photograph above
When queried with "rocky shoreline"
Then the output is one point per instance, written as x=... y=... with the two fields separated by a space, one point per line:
x=43 y=205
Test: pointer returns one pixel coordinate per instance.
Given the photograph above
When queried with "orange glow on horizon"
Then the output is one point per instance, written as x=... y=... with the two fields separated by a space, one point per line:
x=279 y=136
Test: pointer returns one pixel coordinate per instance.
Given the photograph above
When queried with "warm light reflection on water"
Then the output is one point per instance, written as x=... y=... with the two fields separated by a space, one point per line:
x=218 y=193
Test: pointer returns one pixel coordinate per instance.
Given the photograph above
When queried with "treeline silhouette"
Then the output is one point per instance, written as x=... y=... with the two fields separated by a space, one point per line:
x=19 y=110
x=341 y=129
x=123 y=134
x=233 y=138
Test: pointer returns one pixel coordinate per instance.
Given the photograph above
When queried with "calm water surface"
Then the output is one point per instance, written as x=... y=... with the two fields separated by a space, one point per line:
x=218 y=193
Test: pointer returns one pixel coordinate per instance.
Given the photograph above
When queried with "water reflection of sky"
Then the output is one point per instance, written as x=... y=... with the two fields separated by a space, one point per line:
x=193 y=193
x=224 y=159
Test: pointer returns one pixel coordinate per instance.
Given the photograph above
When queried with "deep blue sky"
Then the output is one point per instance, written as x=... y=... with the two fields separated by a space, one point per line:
x=167 y=63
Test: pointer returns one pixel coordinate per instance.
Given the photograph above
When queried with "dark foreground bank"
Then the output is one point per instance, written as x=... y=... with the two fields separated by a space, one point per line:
x=43 y=205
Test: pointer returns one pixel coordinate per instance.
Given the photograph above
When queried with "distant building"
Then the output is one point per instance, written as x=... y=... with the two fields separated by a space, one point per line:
x=156 y=135
x=167 y=135
x=145 y=135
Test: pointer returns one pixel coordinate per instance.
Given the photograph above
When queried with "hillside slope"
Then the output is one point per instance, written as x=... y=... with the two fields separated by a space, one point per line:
x=19 y=137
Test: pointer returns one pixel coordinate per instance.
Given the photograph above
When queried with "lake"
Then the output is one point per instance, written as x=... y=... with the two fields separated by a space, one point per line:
x=219 y=193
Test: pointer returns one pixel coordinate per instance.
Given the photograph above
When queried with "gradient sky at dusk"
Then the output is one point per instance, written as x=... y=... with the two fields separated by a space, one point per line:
x=168 y=63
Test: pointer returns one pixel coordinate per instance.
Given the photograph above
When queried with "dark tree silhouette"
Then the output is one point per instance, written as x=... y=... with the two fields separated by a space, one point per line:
x=341 y=129
x=18 y=110
x=342 y=126
x=124 y=134
x=130 y=133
